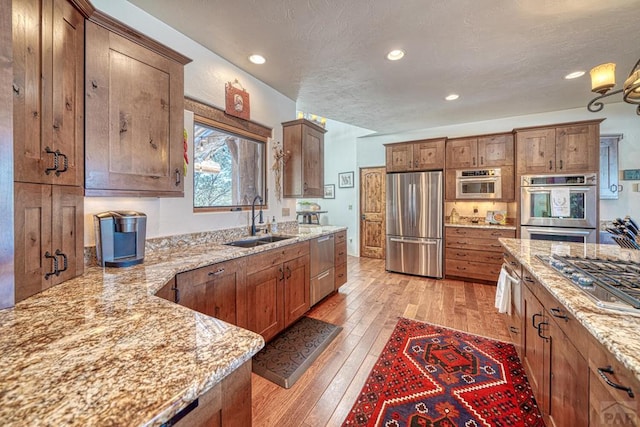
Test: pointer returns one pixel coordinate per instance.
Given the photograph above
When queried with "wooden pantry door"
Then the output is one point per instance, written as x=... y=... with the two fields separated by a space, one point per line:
x=372 y=212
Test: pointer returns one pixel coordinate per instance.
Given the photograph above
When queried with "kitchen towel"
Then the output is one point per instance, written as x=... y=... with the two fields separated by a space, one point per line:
x=503 y=291
x=560 y=202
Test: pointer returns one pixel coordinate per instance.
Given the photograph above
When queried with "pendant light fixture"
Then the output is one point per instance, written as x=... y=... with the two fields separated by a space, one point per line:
x=603 y=79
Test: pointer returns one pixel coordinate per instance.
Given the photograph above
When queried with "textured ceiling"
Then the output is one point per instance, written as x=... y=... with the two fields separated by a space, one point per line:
x=504 y=57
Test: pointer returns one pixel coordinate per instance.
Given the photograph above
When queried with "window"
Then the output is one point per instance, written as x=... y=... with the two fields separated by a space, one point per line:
x=229 y=169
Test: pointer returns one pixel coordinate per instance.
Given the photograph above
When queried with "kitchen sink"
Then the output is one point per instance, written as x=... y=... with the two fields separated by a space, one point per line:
x=253 y=242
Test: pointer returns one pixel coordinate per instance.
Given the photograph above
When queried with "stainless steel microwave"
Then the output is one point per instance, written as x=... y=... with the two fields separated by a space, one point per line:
x=479 y=184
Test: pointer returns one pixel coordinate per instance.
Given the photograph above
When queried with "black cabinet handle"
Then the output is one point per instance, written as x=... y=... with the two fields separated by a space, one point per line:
x=609 y=370
x=55 y=265
x=474 y=160
x=65 y=262
x=560 y=164
x=556 y=312
x=288 y=273
x=55 y=160
x=281 y=273
x=178 y=177
x=550 y=165
x=528 y=279
x=65 y=163
x=482 y=160
x=533 y=319
x=540 y=331
x=176 y=291
x=513 y=329
x=217 y=272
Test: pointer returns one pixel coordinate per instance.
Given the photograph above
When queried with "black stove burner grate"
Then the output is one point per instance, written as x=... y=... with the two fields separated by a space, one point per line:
x=620 y=278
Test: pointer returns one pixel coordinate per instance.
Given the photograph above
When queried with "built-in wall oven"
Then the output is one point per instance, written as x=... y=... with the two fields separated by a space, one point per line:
x=559 y=207
x=479 y=184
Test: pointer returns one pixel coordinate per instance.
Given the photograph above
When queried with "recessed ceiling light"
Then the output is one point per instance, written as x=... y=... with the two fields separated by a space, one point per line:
x=574 y=75
x=452 y=97
x=395 y=54
x=257 y=59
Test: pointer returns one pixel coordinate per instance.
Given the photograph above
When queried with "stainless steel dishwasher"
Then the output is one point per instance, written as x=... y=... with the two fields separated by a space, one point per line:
x=322 y=267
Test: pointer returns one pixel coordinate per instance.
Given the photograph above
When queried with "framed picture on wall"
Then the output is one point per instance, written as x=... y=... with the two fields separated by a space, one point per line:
x=345 y=179
x=330 y=191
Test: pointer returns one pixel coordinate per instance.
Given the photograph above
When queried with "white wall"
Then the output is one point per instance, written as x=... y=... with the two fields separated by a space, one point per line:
x=340 y=156
x=204 y=80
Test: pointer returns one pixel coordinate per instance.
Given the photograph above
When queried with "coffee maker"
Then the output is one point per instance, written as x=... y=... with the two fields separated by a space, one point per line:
x=120 y=238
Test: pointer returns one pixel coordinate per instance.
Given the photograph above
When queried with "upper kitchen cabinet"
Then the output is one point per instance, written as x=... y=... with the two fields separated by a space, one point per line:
x=566 y=148
x=303 y=148
x=134 y=113
x=48 y=90
x=420 y=155
x=480 y=151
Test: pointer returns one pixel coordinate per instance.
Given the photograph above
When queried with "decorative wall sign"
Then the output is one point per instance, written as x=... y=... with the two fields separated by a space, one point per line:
x=330 y=191
x=345 y=179
x=236 y=100
x=631 y=174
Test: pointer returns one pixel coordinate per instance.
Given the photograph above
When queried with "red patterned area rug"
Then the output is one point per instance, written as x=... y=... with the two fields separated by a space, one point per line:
x=431 y=376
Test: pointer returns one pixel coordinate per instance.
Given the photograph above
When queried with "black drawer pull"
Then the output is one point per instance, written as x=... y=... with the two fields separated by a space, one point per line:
x=533 y=319
x=215 y=273
x=540 y=331
x=528 y=279
x=556 y=312
x=513 y=329
x=609 y=370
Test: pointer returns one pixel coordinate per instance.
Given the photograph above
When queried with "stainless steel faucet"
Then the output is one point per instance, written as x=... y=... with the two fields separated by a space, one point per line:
x=253 y=214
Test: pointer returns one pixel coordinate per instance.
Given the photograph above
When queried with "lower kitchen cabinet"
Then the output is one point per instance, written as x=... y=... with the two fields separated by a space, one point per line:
x=557 y=371
x=277 y=288
x=340 y=259
x=474 y=253
x=48 y=236
x=217 y=290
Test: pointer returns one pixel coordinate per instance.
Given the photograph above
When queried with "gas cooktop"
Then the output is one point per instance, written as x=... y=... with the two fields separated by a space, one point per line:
x=612 y=284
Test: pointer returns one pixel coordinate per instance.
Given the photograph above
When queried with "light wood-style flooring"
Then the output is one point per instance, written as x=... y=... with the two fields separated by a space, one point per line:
x=367 y=307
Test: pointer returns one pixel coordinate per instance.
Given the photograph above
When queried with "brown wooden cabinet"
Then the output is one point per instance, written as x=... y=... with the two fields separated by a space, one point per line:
x=340 y=259
x=427 y=154
x=303 y=146
x=570 y=148
x=277 y=288
x=555 y=358
x=480 y=151
x=474 y=253
x=48 y=236
x=217 y=290
x=135 y=87
x=48 y=89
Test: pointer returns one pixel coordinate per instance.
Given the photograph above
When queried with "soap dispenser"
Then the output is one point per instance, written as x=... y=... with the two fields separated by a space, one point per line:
x=454 y=217
x=274 y=225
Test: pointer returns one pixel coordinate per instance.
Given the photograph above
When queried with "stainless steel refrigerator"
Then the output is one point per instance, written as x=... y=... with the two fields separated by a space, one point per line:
x=415 y=223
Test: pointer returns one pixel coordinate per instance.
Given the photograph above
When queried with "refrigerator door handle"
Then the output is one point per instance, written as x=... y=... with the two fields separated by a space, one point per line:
x=413 y=202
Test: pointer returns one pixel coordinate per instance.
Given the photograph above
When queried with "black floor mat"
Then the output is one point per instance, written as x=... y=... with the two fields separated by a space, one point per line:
x=288 y=356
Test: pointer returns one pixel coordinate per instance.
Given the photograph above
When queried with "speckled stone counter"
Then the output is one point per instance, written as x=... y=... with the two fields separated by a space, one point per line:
x=102 y=350
x=617 y=331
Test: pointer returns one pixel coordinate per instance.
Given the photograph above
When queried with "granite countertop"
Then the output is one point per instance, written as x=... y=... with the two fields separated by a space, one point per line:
x=102 y=349
x=617 y=331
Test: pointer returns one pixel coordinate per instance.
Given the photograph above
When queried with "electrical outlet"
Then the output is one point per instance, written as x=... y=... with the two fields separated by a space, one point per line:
x=285 y=212
x=350 y=207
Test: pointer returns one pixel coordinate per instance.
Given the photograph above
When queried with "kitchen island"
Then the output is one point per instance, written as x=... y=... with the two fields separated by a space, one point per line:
x=572 y=349
x=102 y=349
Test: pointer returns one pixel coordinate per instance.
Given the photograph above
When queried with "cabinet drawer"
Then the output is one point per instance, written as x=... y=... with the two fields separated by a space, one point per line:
x=513 y=263
x=341 y=237
x=340 y=256
x=341 y=275
x=472 y=270
x=277 y=256
x=479 y=233
x=600 y=357
x=474 y=256
x=205 y=273
x=474 y=244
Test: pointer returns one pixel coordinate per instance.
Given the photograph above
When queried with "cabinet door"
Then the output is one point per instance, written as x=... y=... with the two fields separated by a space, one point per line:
x=213 y=290
x=67 y=231
x=568 y=378
x=399 y=157
x=533 y=358
x=536 y=151
x=296 y=289
x=577 y=148
x=428 y=155
x=265 y=314
x=495 y=150
x=136 y=148
x=462 y=153
x=32 y=239
x=313 y=162
x=48 y=92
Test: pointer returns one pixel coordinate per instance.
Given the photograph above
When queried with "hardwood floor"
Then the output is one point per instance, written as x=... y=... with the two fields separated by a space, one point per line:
x=367 y=307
